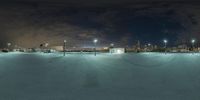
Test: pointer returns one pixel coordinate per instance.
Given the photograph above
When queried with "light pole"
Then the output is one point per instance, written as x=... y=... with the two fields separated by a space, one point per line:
x=8 y=44
x=149 y=47
x=165 y=42
x=95 y=43
x=64 y=46
x=193 y=41
x=46 y=49
x=111 y=47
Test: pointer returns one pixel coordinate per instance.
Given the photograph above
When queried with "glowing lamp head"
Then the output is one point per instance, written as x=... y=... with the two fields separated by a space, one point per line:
x=65 y=41
x=46 y=44
x=193 y=40
x=95 y=40
x=165 y=41
x=149 y=44
x=112 y=44
x=9 y=44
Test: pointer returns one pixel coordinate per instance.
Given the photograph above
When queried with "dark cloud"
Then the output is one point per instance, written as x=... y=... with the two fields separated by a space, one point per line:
x=30 y=24
x=99 y=3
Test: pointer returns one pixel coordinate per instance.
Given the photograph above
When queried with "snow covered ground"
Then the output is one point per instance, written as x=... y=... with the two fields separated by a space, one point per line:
x=79 y=76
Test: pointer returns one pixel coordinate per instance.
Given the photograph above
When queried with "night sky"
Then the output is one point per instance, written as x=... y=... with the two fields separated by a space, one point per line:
x=28 y=23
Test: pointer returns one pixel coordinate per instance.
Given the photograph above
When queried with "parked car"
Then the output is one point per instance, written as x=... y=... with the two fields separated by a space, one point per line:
x=47 y=51
x=5 y=50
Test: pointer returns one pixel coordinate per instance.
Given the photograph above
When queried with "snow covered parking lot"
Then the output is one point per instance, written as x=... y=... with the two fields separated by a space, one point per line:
x=79 y=76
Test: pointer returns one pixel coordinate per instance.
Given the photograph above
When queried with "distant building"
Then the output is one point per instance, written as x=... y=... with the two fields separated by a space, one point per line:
x=138 y=46
x=80 y=49
x=117 y=50
x=198 y=49
x=183 y=48
x=57 y=48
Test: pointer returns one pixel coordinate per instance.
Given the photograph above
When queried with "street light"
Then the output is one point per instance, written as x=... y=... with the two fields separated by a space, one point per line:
x=165 y=42
x=95 y=43
x=46 y=45
x=8 y=44
x=149 y=44
x=112 y=45
x=64 y=47
x=193 y=41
